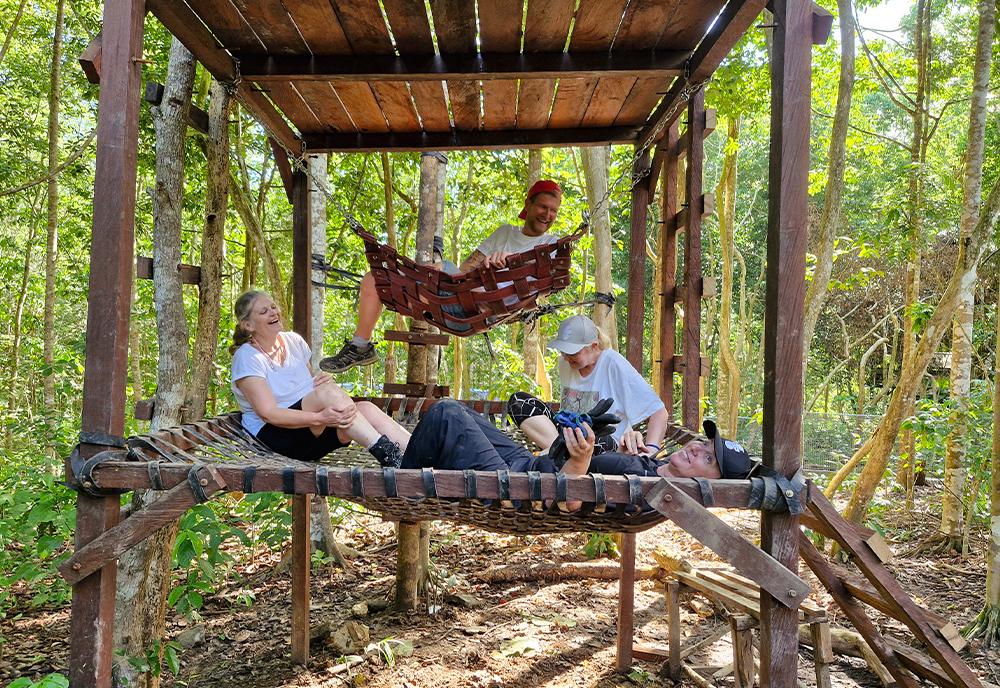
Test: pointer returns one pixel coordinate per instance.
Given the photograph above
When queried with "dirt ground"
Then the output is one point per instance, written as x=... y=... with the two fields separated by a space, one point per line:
x=515 y=635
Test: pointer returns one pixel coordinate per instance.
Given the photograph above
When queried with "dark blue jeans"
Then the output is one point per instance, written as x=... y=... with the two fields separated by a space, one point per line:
x=454 y=437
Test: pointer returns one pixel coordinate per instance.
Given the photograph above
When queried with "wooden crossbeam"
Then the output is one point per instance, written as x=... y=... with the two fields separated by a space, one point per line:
x=185 y=25
x=112 y=543
x=196 y=117
x=784 y=585
x=190 y=274
x=467 y=139
x=416 y=390
x=284 y=166
x=480 y=66
x=416 y=337
x=893 y=595
x=90 y=60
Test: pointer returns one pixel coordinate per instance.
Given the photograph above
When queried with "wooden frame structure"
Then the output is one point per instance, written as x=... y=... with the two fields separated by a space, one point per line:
x=325 y=78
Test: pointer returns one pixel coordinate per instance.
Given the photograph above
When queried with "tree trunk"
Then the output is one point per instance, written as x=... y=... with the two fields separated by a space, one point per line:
x=829 y=222
x=318 y=164
x=878 y=447
x=729 y=380
x=8 y=39
x=52 y=237
x=13 y=382
x=212 y=251
x=596 y=161
x=392 y=351
x=252 y=222
x=144 y=571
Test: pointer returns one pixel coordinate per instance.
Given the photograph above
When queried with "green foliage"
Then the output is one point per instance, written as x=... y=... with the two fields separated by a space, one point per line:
x=600 y=545
x=50 y=681
x=155 y=657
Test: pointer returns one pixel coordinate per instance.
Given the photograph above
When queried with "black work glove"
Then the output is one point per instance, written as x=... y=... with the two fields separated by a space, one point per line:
x=598 y=418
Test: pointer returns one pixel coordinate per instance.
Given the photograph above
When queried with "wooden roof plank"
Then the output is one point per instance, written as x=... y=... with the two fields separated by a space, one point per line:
x=643 y=23
x=534 y=103
x=571 y=102
x=500 y=26
x=324 y=102
x=364 y=27
x=294 y=107
x=547 y=25
x=498 y=98
x=360 y=103
x=228 y=25
x=455 y=25
x=464 y=97
x=272 y=23
x=396 y=105
x=606 y=103
x=319 y=26
x=469 y=140
x=596 y=24
x=410 y=28
x=431 y=105
x=734 y=21
x=646 y=93
x=688 y=24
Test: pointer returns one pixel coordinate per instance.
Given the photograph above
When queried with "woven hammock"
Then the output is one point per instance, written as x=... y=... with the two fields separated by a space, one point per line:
x=421 y=291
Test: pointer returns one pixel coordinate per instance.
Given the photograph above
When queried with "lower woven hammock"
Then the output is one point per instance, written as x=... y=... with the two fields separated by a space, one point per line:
x=223 y=441
x=478 y=299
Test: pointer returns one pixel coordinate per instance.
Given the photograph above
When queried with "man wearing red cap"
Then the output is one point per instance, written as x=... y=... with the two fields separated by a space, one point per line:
x=540 y=209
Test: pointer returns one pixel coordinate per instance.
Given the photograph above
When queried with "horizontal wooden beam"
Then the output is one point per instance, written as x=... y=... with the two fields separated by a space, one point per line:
x=678 y=365
x=416 y=337
x=417 y=390
x=467 y=140
x=185 y=25
x=729 y=494
x=196 y=118
x=190 y=274
x=483 y=66
x=707 y=208
x=90 y=60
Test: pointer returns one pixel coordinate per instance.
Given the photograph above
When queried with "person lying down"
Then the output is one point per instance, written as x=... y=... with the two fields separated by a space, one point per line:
x=451 y=436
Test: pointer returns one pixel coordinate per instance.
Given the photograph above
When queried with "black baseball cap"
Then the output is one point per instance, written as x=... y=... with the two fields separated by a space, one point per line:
x=734 y=461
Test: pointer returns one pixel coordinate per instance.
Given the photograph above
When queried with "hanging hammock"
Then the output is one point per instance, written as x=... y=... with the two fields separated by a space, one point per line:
x=480 y=298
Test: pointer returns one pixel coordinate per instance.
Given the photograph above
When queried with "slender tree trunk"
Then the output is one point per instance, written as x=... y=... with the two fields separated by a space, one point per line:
x=317 y=207
x=252 y=222
x=13 y=28
x=829 y=222
x=144 y=571
x=730 y=376
x=391 y=356
x=596 y=161
x=52 y=236
x=212 y=251
x=879 y=446
x=460 y=380
x=532 y=353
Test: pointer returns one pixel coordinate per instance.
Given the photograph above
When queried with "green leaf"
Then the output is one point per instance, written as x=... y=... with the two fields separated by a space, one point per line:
x=523 y=646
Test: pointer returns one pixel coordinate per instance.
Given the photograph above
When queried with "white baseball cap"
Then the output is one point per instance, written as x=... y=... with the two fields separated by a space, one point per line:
x=575 y=332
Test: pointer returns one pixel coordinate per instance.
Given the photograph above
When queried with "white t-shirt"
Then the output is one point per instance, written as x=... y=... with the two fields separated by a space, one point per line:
x=289 y=382
x=613 y=377
x=510 y=239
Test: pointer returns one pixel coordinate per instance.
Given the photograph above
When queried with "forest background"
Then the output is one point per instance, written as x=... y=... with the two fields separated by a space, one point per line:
x=889 y=200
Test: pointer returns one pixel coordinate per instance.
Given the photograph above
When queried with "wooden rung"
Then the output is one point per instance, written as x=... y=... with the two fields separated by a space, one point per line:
x=708 y=290
x=417 y=337
x=650 y=653
x=90 y=60
x=196 y=119
x=679 y=365
x=144 y=409
x=429 y=391
x=707 y=205
x=190 y=274
x=711 y=122
x=879 y=547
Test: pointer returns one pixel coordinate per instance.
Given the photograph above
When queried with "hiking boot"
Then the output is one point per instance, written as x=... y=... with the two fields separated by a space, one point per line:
x=386 y=452
x=348 y=357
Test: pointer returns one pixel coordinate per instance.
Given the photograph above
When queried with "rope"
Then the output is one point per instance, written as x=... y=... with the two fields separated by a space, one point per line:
x=320 y=263
x=530 y=317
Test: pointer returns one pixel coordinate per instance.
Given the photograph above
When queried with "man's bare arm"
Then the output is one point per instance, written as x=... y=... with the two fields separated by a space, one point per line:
x=472 y=261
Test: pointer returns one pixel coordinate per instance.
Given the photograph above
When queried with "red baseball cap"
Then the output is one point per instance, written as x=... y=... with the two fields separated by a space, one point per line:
x=541 y=186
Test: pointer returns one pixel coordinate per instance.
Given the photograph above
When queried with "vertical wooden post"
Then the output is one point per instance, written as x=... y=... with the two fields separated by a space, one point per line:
x=668 y=271
x=302 y=322
x=637 y=265
x=741 y=629
x=626 y=603
x=787 y=225
x=110 y=289
x=822 y=651
x=674 y=619
x=695 y=139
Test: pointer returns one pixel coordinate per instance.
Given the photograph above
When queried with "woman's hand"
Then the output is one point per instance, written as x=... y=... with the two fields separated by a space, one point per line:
x=338 y=415
x=321 y=379
x=633 y=443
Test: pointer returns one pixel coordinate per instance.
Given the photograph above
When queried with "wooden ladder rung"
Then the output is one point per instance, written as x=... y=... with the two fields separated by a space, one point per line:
x=417 y=337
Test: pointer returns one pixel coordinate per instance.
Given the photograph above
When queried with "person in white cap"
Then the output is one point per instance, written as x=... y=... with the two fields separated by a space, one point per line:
x=589 y=371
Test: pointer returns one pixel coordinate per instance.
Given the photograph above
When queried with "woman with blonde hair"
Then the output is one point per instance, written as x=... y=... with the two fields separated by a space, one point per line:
x=295 y=413
x=590 y=370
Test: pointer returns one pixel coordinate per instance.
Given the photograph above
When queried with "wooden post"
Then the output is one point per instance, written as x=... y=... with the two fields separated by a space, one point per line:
x=668 y=271
x=302 y=321
x=111 y=263
x=787 y=225
x=626 y=603
x=741 y=627
x=674 y=620
x=691 y=338
x=822 y=651
x=637 y=265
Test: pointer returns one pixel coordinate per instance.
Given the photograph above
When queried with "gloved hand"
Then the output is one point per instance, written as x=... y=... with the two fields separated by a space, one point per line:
x=598 y=418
